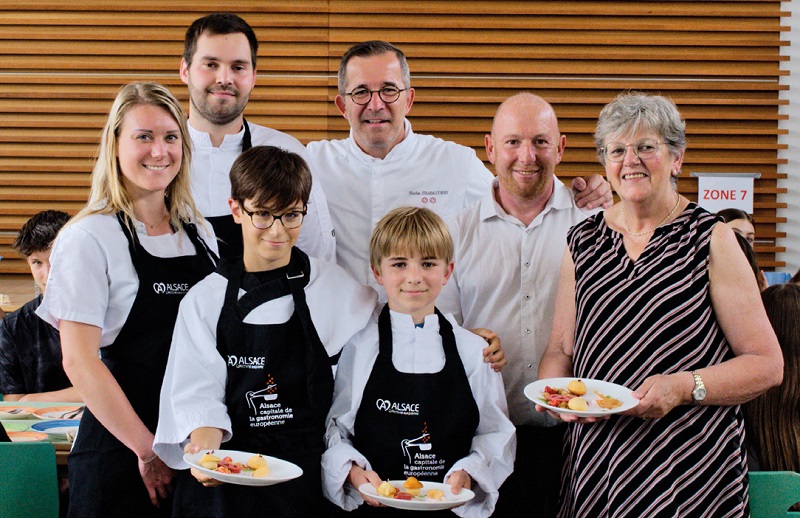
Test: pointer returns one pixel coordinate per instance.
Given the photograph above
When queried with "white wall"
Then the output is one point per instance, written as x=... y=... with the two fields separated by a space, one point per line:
x=792 y=169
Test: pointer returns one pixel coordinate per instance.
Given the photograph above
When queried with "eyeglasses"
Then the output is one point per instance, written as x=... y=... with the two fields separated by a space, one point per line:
x=362 y=96
x=644 y=148
x=263 y=220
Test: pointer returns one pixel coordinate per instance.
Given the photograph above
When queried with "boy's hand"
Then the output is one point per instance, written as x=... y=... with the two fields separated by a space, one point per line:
x=457 y=480
x=359 y=476
x=204 y=439
x=493 y=353
x=592 y=192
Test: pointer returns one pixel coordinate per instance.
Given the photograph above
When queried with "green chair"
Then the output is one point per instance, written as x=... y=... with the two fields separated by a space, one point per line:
x=772 y=493
x=28 y=480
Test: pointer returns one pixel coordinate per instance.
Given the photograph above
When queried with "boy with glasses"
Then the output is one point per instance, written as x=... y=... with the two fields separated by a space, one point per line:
x=250 y=364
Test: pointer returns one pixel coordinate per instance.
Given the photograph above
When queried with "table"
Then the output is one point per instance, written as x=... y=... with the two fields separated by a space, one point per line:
x=62 y=447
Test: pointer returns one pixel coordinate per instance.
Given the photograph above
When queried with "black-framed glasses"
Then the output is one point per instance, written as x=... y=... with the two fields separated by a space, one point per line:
x=388 y=94
x=263 y=220
x=644 y=148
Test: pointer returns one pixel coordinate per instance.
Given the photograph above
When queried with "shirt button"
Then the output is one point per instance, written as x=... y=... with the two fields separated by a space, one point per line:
x=527 y=297
x=530 y=366
x=527 y=263
x=527 y=331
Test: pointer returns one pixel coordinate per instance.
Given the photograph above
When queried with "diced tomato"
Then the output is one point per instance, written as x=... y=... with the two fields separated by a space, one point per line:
x=400 y=495
x=550 y=390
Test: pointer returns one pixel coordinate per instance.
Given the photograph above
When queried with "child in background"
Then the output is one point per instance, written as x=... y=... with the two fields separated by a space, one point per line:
x=435 y=390
x=259 y=332
x=30 y=349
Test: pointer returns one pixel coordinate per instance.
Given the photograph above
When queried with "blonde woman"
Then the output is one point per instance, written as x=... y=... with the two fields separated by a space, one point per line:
x=119 y=271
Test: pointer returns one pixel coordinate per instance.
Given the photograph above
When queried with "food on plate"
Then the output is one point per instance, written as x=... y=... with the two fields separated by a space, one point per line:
x=577 y=387
x=572 y=397
x=386 y=489
x=256 y=462
x=607 y=402
x=578 y=403
x=400 y=495
x=560 y=397
x=227 y=465
x=412 y=485
x=210 y=461
x=435 y=494
x=261 y=472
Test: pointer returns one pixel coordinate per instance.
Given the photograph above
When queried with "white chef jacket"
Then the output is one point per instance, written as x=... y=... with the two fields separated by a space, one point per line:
x=419 y=351
x=92 y=278
x=193 y=392
x=211 y=183
x=506 y=279
x=421 y=171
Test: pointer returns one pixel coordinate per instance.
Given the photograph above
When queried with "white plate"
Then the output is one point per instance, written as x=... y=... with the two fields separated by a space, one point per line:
x=72 y=412
x=420 y=503
x=16 y=412
x=279 y=470
x=27 y=436
x=61 y=429
x=535 y=391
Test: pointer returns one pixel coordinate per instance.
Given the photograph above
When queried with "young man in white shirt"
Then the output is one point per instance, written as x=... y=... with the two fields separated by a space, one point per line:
x=219 y=67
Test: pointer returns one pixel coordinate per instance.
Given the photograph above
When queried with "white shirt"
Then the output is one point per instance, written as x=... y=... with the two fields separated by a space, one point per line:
x=211 y=184
x=506 y=279
x=193 y=392
x=418 y=351
x=422 y=171
x=92 y=278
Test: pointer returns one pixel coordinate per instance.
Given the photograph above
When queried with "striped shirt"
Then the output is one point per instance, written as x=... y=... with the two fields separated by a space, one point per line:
x=636 y=319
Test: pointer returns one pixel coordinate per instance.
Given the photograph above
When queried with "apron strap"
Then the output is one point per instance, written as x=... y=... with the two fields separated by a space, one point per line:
x=247 y=141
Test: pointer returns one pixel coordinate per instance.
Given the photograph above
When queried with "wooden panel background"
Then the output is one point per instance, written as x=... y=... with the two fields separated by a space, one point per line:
x=61 y=63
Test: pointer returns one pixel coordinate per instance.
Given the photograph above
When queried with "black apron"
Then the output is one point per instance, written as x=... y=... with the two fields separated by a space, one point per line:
x=229 y=233
x=415 y=424
x=104 y=476
x=278 y=393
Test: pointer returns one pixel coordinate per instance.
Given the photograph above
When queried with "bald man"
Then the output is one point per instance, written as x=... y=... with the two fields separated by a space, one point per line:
x=508 y=253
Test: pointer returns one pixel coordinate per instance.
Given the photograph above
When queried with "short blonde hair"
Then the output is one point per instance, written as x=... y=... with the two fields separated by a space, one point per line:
x=410 y=229
x=108 y=194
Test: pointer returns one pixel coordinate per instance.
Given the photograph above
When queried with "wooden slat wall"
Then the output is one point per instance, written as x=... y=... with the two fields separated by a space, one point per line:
x=61 y=62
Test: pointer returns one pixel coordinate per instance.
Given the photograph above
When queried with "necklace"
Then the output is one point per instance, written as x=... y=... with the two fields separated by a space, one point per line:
x=157 y=223
x=638 y=234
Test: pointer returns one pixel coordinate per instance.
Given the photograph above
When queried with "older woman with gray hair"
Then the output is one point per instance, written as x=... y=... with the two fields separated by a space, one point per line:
x=655 y=295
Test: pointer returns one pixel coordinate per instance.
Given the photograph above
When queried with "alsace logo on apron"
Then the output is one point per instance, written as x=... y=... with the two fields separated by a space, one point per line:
x=267 y=410
x=421 y=457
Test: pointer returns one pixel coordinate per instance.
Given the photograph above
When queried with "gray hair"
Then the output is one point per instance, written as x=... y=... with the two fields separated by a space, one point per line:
x=636 y=111
x=372 y=48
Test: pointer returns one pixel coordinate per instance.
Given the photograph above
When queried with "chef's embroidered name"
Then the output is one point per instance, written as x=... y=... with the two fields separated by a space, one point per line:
x=427 y=193
x=165 y=288
x=245 y=362
x=385 y=405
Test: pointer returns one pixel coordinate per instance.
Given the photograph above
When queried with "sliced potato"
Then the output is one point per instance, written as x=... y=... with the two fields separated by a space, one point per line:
x=435 y=494
x=209 y=461
x=578 y=403
x=386 y=489
x=577 y=387
x=256 y=462
x=261 y=472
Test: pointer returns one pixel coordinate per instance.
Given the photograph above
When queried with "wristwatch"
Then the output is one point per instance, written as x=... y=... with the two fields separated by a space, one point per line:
x=699 y=392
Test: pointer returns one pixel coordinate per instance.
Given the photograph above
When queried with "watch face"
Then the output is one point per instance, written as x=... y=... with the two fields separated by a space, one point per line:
x=699 y=394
